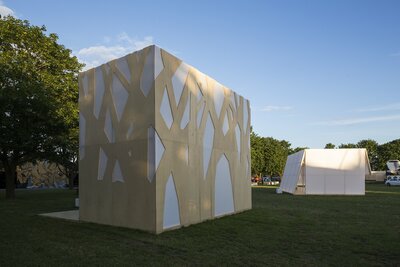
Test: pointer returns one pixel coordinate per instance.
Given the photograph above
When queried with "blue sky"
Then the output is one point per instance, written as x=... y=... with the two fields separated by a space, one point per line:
x=314 y=71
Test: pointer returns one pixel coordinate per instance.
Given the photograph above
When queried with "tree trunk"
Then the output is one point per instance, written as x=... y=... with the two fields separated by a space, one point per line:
x=10 y=171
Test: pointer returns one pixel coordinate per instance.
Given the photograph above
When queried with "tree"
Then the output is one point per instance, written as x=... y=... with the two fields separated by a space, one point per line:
x=297 y=149
x=372 y=148
x=275 y=156
x=388 y=151
x=257 y=153
x=38 y=94
x=65 y=153
x=329 y=146
x=268 y=155
x=349 y=145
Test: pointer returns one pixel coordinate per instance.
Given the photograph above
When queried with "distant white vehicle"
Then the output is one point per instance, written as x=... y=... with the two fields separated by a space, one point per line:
x=270 y=181
x=393 y=180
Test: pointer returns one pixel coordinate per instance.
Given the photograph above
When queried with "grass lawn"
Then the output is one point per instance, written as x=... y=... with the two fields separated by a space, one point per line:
x=279 y=230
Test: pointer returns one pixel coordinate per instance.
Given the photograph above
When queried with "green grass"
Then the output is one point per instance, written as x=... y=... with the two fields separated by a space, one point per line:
x=279 y=230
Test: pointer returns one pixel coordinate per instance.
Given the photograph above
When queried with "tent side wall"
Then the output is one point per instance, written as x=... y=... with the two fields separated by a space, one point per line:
x=292 y=172
x=335 y=171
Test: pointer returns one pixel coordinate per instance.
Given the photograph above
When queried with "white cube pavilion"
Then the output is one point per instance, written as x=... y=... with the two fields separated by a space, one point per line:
x=162 y=145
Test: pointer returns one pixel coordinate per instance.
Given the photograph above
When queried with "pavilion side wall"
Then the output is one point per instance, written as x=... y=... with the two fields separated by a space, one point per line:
x=205 y=129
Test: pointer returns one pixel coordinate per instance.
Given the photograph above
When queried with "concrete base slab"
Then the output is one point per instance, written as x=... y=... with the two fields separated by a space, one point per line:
x=72 y=215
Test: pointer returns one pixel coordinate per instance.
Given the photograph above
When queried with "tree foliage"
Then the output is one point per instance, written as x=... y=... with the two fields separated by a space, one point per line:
x=349 y=145
x=38 y=94
x=329 y=146
x=297 y=149
x=65 y=152
x=268 y=155
x=257 y=153
x=372 y=149
x=388 y=151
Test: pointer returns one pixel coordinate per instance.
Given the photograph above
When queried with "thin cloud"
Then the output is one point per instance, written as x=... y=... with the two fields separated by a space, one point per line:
x=5 y=11
x=123 y=44
x=355 y=121
x=276 y=108
x=388 y=107
x=395 y=54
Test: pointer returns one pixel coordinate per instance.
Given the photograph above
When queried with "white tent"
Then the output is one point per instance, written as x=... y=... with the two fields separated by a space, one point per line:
x=326 y=172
